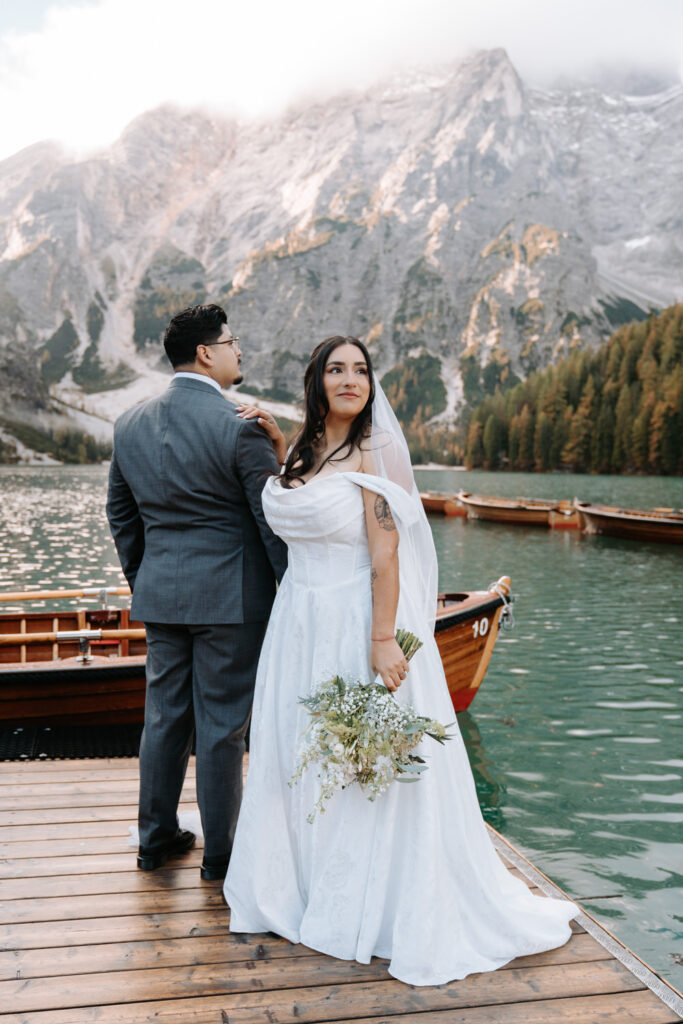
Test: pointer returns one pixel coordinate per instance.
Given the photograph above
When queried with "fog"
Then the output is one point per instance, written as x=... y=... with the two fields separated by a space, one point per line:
x=79 y=72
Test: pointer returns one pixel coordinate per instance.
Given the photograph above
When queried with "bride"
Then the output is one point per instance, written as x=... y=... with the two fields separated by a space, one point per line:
x=412 y=877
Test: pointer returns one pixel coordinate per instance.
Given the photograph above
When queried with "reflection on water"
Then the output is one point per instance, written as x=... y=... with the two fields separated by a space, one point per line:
x=53 y=530
x=489 y=781
x=575 y=736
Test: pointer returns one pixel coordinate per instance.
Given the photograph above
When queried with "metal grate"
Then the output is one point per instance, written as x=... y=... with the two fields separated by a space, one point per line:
x=44 y=743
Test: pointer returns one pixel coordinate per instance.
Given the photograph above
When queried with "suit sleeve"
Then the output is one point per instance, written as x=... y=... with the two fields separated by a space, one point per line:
x=254 y=462
x=125 y=523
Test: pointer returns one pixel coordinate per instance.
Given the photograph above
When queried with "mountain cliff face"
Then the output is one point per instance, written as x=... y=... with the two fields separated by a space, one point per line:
x=461 y=216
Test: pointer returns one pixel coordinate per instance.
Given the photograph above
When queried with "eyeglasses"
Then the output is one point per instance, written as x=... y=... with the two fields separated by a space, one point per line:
x=226 y=341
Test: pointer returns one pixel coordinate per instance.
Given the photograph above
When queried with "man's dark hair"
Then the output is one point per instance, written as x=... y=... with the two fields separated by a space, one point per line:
x=196 y=325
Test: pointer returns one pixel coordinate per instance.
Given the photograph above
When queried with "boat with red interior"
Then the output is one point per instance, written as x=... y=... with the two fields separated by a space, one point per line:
x=86 y=666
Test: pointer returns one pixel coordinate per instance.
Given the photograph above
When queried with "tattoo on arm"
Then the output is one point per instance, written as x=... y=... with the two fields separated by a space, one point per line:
x=373 y=577
x=383 y=513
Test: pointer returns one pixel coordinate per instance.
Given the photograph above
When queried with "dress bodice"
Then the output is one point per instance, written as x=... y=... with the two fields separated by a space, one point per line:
x=323 y=525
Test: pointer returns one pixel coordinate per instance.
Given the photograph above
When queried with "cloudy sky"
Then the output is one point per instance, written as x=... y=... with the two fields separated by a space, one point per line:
x=79 y=70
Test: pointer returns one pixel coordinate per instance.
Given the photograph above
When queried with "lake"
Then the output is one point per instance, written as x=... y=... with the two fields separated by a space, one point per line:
x=575 y=737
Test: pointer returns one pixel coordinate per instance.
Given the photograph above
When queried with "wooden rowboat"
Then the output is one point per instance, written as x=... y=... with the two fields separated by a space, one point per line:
x=71 y=667
x=520 y=511
x=658 y=524
x=442 y=504
x=87 y=667
x=466 y=631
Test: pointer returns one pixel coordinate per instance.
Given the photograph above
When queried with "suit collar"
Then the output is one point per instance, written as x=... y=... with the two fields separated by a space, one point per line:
x=196 y=383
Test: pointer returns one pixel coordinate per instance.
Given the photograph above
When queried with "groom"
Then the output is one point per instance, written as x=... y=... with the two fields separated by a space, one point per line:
x=184 y=507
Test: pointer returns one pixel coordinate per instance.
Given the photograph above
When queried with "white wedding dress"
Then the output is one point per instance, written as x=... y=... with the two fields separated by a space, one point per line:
x=412 y=877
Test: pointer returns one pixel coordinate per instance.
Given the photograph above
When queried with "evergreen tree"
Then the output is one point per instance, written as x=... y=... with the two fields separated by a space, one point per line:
x=623 y=418
x=543 y=442
x=515 y=433
x=493 y=441
x=577 y=451
x=640 y=439
x=527 y=427
x=474 y=458
x=602 y=444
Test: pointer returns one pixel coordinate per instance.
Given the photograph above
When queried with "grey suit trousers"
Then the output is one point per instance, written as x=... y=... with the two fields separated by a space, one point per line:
x=202 y=674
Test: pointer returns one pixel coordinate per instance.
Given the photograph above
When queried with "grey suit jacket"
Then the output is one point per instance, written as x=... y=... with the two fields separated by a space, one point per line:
x=184 y=507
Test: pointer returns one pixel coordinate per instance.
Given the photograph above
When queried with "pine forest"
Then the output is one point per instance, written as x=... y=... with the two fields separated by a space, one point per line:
x=618 y=409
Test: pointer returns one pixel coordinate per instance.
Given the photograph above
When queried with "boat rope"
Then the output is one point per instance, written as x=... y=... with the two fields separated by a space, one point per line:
x=507 y=617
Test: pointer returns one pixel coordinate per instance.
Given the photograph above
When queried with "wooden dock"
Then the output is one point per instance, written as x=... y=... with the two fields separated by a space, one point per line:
x=86 y=937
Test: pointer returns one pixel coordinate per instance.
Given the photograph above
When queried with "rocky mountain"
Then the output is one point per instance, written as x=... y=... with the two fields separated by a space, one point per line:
x=457 y=215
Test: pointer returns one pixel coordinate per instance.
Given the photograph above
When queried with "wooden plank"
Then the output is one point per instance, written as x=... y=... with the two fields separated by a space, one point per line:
x=104 y=905
x=176 y=982
x=145 y=892
x=68 y=789
x=177 y=874
x=61 y=775
x=109 y=957
x=69 y=847
x=47 y=802
x=93 y=838
x=77 y=764
x=115 y=929
x=27 y=834
x=34 y=816
x=620 y=1008
x=57 y=962
x=93 y=789
x=130 y=928
x=80 y=769
x=41 y=867
x=180 y=872
x=340 y=1000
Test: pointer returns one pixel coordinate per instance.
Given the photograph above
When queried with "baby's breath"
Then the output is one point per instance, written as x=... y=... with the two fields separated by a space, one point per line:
x=360 y=733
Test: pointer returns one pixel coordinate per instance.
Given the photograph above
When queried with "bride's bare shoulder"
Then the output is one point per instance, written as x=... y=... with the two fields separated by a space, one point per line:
x=371 y=449
x=366 y=463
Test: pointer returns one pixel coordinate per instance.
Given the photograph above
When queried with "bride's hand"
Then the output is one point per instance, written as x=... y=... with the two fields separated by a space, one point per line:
x=388 y=661
x=269 y=424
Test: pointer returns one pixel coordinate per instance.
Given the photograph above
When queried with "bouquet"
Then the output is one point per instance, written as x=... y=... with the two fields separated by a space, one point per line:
x=360 y=733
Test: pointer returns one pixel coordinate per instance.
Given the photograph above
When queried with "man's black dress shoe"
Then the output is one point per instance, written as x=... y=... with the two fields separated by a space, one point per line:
x=182 y=842
x=214 y=868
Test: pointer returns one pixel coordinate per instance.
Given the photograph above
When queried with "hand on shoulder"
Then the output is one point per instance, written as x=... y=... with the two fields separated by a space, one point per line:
x=269 y=424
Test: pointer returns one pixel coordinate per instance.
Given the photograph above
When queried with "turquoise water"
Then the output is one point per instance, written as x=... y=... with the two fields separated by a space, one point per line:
x=575 y=737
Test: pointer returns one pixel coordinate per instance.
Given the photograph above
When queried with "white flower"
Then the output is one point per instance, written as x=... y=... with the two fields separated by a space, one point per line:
x=360 y=733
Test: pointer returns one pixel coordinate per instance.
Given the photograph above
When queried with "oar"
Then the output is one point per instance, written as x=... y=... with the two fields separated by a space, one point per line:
x=71 y=635
x=41 y=595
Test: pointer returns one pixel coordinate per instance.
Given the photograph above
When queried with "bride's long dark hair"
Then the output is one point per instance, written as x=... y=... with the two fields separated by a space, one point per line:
x=316 y=407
